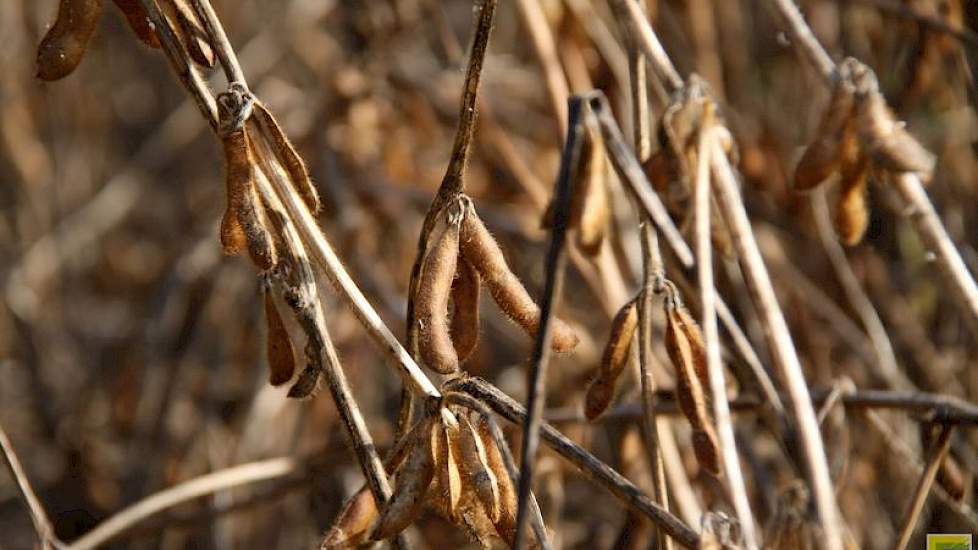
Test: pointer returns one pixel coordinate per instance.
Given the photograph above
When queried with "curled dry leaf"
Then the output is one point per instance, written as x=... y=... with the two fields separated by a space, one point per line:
x=138 y=21
x=480 y=249
x=413 y=478
x=286 y=154
x=434 y=288
x=601 y=389
x=281 y=356
x=352 y=525
x=64 y=45
x=465 y=309
x=686 y=349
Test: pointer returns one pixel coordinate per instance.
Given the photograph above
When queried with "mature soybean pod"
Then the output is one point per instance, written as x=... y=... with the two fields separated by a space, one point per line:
x=465 y=309
x=431 y=302
x=413 y=479
x=477 y=475
x=352 y=525
x=592 y=188
x=245 y=215
x=481 y=249
x=601 y=390
x=281 y=356
x=445 y=454
x=138 y=21
x=288 y=157
x=62 y=48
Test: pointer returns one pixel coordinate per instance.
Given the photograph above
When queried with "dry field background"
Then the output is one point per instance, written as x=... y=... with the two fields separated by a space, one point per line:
x=132 y=351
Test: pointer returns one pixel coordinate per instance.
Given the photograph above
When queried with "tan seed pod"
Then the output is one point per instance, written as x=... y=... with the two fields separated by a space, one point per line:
x=281 y=356
x=823 y=157
x=138 y=21
x=64 y=45
x=246 y=216
x=685 y=347
x=852 y=212
x=482 y=251
x=477 y=475
x=186 y=24
x=431 y=303
x=887 y=139
x=413 y=479
x=352 y=525
x=601 y=390
x=446 y=459
x=595 y=210
x=465 y=309
x=506 y=522
x=288 y=157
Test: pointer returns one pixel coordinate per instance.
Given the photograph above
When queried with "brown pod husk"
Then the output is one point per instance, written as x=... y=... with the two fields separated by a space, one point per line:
x=446 y=466
x=281 y=355
x=138 y=21
x=477 y=475
x=352 y=525
x=464 y=327
x=64 y=45
x=506 y=522
x=245 y=206
x=887 y=139
x=601 y=390
x=186 y=23
x=852 y=212
x=431 y=303
x=286 y=154
x=413 y=479
x=685 y=347
x=589 y=207
x=823 y=157
x=481 y=250
x=661 y=171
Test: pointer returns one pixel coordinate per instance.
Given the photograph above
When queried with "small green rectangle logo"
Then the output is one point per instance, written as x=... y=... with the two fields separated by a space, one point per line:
x=949 y=542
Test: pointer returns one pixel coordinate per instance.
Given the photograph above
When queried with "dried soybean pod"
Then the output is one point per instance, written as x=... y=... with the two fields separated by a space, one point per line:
x=602 y=388
x=680 y=318
x=281 y=356
x=138 y=21
x=477 y=475
x=413 y=479
x=446 y=465
x=688 y=356
x=431 y=302
x=62 y=48
x=481 y=249
x=887 y=139
x=352 y=525
x=465 y=310
x=244 y=204
x=506 y=524
x=852 y=213
x=286 y=154
x=595 y=211
x=599 y=394
x=823 y=157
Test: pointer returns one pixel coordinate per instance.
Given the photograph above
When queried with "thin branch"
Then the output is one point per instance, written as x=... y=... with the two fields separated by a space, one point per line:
x=782 y=347
x=555 y=264
x=197 y=487
x=804 y=38
x=222 y=46
x=734 y=477
x=542 y=39
x=42 y=525
x=641 y=31
x=937 y=454
x=599 y=472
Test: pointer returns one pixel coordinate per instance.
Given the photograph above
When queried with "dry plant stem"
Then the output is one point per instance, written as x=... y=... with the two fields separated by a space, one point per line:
x=180 y=63
x=42 y=525
x=536 y=518
x=734 y=477
x=923 y=214
x=314 y=321
x=599 y=472
x=652 y=275
x=129 y=517
x=222 y=46
x=535 y=21
x=781 y=344
x=555 y=264
x=631 y=12
x=887 y=368
x=937 y=454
